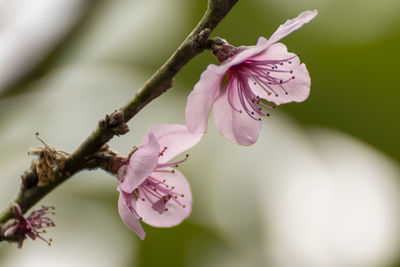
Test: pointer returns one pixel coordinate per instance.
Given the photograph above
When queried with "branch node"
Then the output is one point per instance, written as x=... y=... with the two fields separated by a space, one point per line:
x=105 y=159
x=30 y=178
x=114 y=123
x=222 y=49
x=200 y=39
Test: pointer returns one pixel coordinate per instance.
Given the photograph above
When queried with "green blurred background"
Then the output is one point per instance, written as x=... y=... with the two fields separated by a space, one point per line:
x=104 y=50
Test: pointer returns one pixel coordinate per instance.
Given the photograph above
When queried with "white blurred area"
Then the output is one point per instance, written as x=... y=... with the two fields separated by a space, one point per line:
x=297 y=198
x=29 y=30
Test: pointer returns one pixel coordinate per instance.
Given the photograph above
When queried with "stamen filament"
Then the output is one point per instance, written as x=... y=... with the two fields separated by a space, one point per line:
x=266 y=74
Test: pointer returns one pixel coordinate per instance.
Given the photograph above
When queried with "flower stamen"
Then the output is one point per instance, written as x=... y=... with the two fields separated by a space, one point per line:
x=32 y=226
x=156 y=191
x=259 y=73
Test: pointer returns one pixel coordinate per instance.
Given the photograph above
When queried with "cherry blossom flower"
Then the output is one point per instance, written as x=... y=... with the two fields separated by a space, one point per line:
x=151 y=190
x=33 y=226
x=237 y=89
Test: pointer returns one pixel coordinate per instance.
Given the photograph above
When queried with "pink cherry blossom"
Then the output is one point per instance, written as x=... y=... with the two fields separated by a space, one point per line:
x=151 y=190
x=237 y=89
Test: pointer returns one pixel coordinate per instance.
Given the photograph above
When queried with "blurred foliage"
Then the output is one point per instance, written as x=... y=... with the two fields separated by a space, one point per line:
x=171 y=247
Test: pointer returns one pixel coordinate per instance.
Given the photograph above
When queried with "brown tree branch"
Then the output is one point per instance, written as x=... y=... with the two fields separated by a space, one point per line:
x=82 y=158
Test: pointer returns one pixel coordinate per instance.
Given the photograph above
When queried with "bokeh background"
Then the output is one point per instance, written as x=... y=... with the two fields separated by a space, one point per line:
x=320 y=188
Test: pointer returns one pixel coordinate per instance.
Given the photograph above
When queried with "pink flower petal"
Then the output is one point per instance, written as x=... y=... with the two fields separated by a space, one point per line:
x=261 y=41
x=291 y=25
x=248 y=51
x=177 y=138
x=178 y=208
x=296 y=84
x=202 y=97
x=141 y=164
x=207 y=89
x=130 y=219
x=237 y=127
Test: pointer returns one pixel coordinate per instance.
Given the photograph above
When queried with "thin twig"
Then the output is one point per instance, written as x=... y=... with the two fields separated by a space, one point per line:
x=30 y=193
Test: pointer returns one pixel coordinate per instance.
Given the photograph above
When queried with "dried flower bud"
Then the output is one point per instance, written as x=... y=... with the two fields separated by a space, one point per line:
x=49 y=157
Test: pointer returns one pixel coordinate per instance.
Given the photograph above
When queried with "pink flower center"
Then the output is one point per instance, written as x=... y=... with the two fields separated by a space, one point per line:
x=266 y=74
x=159 y=192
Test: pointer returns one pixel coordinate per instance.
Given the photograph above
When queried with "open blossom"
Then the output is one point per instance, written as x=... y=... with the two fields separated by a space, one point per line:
x=247 y=76
x=33 y=226
x=151 y=190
